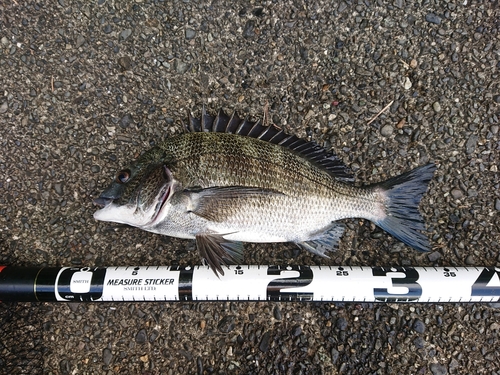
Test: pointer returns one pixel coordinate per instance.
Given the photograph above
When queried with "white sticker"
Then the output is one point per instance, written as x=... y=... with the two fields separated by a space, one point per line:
x=80 y=282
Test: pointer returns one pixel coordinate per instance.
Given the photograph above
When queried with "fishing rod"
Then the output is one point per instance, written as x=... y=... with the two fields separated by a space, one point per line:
x=250 y=283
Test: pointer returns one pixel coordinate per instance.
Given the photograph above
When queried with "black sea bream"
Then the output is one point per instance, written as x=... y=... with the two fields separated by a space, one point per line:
x=229 y=181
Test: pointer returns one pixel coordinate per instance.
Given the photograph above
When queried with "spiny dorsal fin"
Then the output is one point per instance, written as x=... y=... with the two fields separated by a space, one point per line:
x=222 y=123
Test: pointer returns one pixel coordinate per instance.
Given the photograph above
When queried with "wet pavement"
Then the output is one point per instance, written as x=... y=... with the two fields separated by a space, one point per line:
x=87 y=86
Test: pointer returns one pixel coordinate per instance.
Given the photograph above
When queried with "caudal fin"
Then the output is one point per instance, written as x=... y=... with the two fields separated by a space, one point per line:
x=403 y=194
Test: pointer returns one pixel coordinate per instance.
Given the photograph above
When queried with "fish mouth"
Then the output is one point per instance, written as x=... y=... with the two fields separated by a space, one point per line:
x=106 y=203
x=102 y=202
x=161 y=203
x=165 y=197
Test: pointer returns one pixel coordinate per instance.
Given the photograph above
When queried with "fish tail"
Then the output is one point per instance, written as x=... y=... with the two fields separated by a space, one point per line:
x=402 y=196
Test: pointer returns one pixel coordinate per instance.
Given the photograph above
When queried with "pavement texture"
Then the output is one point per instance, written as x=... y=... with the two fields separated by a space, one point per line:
x=86 y=86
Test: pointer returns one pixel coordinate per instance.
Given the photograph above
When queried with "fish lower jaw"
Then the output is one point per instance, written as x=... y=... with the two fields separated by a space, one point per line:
x=158 y=217
x=122 y=215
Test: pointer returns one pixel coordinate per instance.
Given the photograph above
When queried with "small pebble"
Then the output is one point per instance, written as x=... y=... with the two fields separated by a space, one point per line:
x=141 y=337
x=248 y=31
x=453 y=364
x=341 y=324
x=419 y=342
x=438 y=369
x=497 y=204
x=181 y=67
x=407 y=84
x=470 y=146
x=386 y=130
x=58 y=187
x=457 y=194
x=419 y=326
x=199 y=366
x=433 y=18
x=126 y=121
x=226 y=324
x=190 y=34
x=65 y=366
x=80 y=40
x=125 y=62
x=107 y=29
x=335 y=355
x=435 y=255
x=124 y=35
x=107 y=356
x=472 y=193
x=494 y=326
x=264 y=342
x=277 y=313
x=437 y=107
x=296 y=331
x=469 y=260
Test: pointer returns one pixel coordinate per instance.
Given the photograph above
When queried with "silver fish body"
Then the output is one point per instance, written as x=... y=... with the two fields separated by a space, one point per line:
x=229 y=181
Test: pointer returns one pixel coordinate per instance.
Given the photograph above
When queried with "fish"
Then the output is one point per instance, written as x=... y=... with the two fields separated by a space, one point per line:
x=228 y=180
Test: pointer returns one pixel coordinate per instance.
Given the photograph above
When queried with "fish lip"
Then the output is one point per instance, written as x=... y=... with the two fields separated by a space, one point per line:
x=102 y=201
x=165 y=197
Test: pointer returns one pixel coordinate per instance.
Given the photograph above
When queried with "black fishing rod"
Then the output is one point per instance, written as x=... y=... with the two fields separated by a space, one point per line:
x=250 y=283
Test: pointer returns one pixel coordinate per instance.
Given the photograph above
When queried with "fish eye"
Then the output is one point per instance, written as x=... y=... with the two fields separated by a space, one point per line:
x=123 y=176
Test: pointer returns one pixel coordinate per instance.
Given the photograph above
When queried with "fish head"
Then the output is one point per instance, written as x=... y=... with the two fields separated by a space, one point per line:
x=138 y=195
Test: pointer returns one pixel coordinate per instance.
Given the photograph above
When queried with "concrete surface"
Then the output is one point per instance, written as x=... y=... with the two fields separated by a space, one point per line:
x=86 y=86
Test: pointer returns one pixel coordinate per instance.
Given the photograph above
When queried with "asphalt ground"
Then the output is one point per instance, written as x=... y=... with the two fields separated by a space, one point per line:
x=87 y=86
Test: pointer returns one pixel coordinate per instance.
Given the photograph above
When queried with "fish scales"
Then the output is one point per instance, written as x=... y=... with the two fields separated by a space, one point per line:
x=222 y=189
x=211 y=159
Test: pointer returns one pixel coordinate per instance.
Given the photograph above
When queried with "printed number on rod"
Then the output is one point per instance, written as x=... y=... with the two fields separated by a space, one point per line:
x=404 y=281
x=342 y=272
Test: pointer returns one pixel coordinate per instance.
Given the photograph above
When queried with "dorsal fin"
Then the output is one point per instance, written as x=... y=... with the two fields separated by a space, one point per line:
x=222 y=123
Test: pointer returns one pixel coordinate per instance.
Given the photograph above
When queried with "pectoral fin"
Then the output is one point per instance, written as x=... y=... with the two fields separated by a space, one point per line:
x=327 y=241
x=218 y=251
x=218 y=203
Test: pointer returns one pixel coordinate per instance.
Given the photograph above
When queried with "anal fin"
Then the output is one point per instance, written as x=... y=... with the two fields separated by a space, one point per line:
x=217 y=251
x=326 y=241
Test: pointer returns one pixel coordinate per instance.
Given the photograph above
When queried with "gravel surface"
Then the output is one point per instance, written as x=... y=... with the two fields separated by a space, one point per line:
x=86 y=86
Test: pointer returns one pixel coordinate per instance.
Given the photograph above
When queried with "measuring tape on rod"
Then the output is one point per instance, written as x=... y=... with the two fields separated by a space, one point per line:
x=251 y=283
